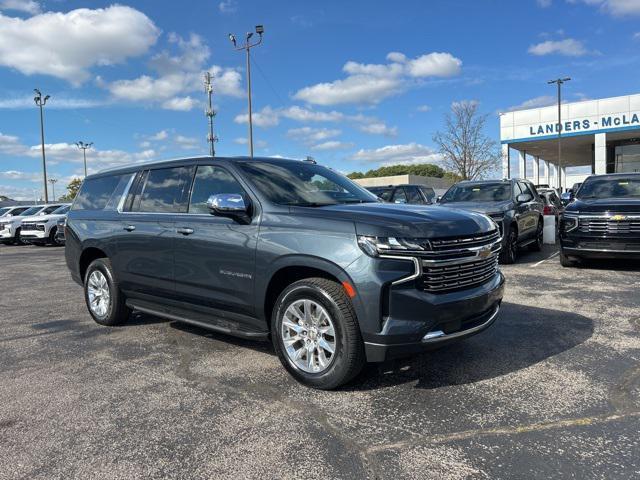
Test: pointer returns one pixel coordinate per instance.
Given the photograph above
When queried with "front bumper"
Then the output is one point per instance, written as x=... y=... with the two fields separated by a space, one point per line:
x=6 y=235
x=419 y=321
x=31 y=235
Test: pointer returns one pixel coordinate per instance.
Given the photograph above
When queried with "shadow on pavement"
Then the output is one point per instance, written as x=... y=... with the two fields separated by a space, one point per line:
x=522 y=336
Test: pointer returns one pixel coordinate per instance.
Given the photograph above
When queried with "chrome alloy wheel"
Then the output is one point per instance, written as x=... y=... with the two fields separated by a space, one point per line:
x=309 y=336
x=98 y=293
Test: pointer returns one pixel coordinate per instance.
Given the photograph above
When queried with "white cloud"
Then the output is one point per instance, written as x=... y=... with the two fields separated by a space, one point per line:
x=371 y=83
x=544 y=3
x=636 y=36
x=332 y=145
x=616 y=8
x=26 y=6
x=423 y=108
x=310 y=135
x=67 y=45
x=569 y=47
x=301 y=114
x=378 y=128
x=161 y=135
x=398 y=154
x=182 y=104
x=244 y=141
x=536 y=102
x=11 y=145
x=177 y=76
x=265 y=118
x=188 y=143
x=55 y=102
x=228 y=6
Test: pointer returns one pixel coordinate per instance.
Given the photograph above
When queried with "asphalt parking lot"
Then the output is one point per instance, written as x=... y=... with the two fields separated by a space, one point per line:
x=551 y=390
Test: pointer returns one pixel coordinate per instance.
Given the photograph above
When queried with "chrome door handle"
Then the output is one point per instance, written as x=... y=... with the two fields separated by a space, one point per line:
x=130 y=228
x=185 y=231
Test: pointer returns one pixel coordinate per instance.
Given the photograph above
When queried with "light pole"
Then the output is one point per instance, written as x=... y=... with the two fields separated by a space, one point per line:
x=559 y=81
x=83 y=146
x=53 y=182
x=247 y=47
x=41 y=102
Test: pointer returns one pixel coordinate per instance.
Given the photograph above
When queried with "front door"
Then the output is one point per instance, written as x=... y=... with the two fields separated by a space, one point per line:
x=215 y=256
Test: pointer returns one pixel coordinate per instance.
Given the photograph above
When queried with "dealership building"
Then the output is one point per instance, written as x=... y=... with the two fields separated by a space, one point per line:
x=598 y=136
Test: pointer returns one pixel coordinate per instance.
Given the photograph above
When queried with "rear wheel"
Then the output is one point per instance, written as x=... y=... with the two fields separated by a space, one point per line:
x=105 y=301
x=537 y=245
x=316 y=335
x=17 y=239
x=509 y=251
x=52 y=237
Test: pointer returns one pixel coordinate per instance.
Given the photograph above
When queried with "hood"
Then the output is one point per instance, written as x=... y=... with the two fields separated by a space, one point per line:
x=414 y=221
x=481 y=207
x=604 y=205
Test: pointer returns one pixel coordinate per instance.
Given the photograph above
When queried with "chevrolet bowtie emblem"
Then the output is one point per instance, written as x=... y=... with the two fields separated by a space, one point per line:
x=618 y=218
x=485 y=252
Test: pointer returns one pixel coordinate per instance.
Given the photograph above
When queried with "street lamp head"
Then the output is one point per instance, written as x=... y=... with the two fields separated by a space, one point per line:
x=232 y=37
x=259 y=29
x=249 y=35
x=37 y=92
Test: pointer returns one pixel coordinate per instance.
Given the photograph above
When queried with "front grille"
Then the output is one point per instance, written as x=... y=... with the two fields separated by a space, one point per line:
x=457 y=263
x=609 y=226
x=27 y=227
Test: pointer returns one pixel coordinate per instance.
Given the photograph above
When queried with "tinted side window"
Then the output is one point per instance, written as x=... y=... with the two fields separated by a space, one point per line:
x=413 y=195
x=429 y=193
x=516 y=191
x=525 y=189
x=399 y=196
x=166 y=190
x=209 y=181
x=95 y=193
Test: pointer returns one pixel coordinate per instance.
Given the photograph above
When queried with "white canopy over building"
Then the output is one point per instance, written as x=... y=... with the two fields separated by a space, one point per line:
x=601 y=134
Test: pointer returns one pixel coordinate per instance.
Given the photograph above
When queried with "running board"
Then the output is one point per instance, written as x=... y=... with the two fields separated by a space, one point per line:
x=253 y=335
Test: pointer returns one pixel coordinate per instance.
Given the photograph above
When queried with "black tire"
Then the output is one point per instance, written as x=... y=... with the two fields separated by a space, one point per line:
x=17 y=240
x=348 y=358
x=117 y=311
x=569 y=261
x=537 y=245
x=509 y=252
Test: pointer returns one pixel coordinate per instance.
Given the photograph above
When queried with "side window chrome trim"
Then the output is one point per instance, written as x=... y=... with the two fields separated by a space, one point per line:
x=125 y=194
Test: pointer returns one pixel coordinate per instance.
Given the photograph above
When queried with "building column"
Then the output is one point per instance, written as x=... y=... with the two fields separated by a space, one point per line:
x=547 y=169
x=506 y=161
x=536 y=170
x=563 y=178
x=522 y=164
x=600 y=153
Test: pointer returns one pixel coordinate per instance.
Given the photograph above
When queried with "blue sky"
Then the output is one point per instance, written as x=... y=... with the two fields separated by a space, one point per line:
x=355 y=84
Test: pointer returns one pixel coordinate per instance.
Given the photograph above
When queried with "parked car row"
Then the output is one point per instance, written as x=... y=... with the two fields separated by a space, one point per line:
x=35 y=224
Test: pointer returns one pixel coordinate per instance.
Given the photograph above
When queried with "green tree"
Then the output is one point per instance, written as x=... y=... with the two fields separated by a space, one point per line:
x=72 y=190
x=423 y=169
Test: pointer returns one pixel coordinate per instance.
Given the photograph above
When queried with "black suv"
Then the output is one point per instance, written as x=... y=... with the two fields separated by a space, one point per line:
x=411 y=194
x=513 y=204
x=603 y=221
x=283 y=249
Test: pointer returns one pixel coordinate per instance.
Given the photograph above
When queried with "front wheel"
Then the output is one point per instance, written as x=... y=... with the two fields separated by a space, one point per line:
x=105 y=301
x=316 y=334
x=567 y=261
x=510 y=249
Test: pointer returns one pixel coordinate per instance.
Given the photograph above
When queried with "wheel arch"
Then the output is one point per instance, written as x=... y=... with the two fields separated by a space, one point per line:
x=88 y=255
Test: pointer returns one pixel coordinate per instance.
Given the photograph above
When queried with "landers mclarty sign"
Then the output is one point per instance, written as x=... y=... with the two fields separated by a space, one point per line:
x=587 y=124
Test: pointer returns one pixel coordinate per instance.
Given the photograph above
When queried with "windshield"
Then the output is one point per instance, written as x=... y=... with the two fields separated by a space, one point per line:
x=303 y=184
x=30 y=211
x=3 y=211
x=619 y=187
x=479 y=192
x=62 y=210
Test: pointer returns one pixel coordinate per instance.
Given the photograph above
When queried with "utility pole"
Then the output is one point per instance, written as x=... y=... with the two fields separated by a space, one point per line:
x=53 y=182
x=247 y=47
x=41 y=102
x=84 y=146
x=211 y=138
x=559 y=81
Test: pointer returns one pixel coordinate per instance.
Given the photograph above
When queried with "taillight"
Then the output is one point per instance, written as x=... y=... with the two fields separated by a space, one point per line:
x=548 y=210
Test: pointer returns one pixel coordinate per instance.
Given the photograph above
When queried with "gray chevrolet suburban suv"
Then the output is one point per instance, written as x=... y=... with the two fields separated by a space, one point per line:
x=287 y=250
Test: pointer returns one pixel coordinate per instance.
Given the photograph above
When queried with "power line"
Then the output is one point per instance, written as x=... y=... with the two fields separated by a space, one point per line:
x=269 y=84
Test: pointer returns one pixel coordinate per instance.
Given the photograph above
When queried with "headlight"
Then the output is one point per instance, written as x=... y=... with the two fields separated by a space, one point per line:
x=376 y=246
x=569 y=223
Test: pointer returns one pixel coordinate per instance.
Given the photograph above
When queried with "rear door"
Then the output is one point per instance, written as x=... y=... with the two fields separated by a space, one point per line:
x=146 y=234
x=414 y=196
x=215 y=256
x=530 y=212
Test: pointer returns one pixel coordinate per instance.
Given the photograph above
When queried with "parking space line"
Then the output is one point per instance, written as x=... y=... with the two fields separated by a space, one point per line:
x=542 y=261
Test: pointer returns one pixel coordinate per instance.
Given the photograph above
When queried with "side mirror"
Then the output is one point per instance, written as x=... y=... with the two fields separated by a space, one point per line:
x=524 y=198
x=230 y=205
x=438 y=198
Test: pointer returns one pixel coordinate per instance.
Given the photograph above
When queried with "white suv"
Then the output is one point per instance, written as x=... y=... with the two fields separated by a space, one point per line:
x=41 y=229
x=11 y=225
